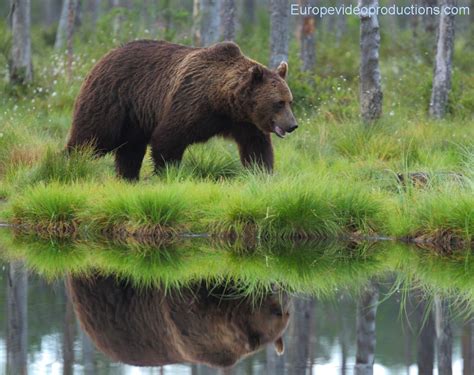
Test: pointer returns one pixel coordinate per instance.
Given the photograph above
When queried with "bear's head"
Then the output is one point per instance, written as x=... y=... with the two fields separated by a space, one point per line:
x=199 y=324
x=271 y=100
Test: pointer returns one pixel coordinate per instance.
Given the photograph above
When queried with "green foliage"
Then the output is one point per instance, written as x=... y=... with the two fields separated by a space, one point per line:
x=48 y=204
x=79 y=165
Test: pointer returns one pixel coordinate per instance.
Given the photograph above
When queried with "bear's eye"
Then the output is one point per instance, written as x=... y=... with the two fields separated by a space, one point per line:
x=280 y=104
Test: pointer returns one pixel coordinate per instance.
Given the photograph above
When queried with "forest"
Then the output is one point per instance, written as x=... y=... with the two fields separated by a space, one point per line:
x=367 y=216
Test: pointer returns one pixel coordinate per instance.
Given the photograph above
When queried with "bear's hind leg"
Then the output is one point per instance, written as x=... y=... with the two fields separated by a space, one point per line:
x=128 y=160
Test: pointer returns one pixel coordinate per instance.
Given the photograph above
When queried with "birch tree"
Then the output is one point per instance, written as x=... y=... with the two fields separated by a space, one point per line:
x=64 y=26
x=249 y=11
x=87 y=353
x=21 y=68
x=95 y=7
x=299 y=350
x=371 y=95
x=366 y=313
x=69 y=332
x=71 y=16
x=444 y=336
x=196 y=28
x=468 y=347
x=426 y=336
x=228 y=19
x=210 y=21
x=307 y=39
x=279 y=34
x=206 y=22
x=443 y=62
x=17 y=328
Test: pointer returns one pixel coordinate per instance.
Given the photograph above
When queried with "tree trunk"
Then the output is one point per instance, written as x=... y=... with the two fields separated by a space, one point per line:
x=366 y=314
x=68 y=338
x=87 y=353
x=21 y=69
x=196 y=29
x=17 y=331
x=96 y=10
x=307 y=39
x=371 y=95
x=249 y=12
x=228 y=19
x=61 y=32
x=426 y=338
x=274 y=364
x=443 y=63
x=279 y=35
x=300 y=332
x=444 y=337
x=71 y=16
x=117 y=18
x=468 y=347
x=210 y=21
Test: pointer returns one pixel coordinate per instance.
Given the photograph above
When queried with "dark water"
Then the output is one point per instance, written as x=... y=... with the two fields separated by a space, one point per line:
x=217 y=325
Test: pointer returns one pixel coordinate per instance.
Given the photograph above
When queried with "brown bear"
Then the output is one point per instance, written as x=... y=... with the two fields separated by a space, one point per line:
x=154 y=327
x=171 y=96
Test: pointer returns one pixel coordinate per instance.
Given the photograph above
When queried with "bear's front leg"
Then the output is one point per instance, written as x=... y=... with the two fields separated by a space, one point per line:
x=166 y=148
x=255 y=147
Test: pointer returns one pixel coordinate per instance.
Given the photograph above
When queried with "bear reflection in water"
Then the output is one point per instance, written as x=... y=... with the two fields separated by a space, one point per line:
x=199 y=324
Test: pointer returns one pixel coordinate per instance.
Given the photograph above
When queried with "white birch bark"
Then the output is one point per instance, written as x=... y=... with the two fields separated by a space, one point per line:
x=443 y=63
x=307 y=38
x=426 y=337
x=21 y=68
x=69 y=332
x=467 y=344
x=249 y=12
x=210 y=21
x=88 y=351
x=366 y=314
x=300 y=332
x=71 y=17
x=371 y=95
x=279 y=34
x=196 y=29
x=17 y=333
x=228 y=19
x=444 y=336
x=61 y=32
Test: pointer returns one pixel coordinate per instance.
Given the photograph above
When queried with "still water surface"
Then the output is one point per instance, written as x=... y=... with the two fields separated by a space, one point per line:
x=92 y=324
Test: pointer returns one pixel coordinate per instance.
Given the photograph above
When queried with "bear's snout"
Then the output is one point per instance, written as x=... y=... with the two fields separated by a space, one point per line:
x=292 y=128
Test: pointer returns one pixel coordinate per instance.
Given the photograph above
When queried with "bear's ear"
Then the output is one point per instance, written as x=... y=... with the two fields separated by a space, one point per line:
x=279 y=346
x=282 y=69
x=256 y=73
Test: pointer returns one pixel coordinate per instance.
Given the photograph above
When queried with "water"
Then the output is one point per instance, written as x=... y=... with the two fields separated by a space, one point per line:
x=217 y=322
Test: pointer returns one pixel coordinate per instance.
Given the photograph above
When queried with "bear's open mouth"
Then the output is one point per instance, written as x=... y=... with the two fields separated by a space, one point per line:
x=279 y=131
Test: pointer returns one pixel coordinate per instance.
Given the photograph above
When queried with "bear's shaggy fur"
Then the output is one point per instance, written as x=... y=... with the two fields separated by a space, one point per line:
x=148 y=327
x=171 y=96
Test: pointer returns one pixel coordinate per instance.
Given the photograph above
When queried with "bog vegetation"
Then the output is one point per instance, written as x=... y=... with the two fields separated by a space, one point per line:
x=404 y=176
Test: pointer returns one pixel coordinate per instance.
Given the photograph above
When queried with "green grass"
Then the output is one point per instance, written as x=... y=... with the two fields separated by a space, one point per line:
x=316 y=268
